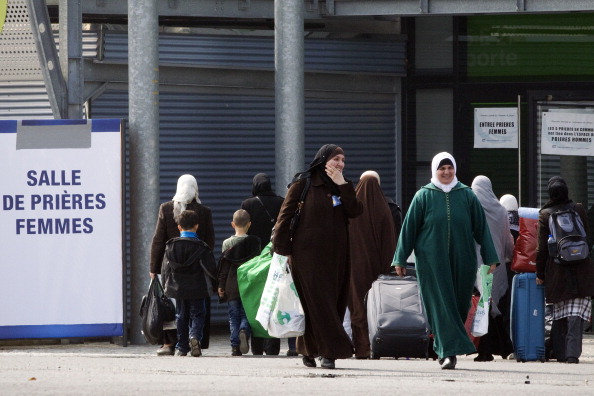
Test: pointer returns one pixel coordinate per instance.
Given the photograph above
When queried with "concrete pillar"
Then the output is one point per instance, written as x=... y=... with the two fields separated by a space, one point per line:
x=289 y=90
x=143 y=88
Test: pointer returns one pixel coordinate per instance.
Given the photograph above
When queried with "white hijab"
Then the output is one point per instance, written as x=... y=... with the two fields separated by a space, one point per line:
x=498 y=224
x=187 y=191
x=510 y=203
x=435 y=165
x=371 y=173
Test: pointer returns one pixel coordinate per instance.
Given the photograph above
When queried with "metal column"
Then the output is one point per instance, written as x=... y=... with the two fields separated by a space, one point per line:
x=289 y=90
x=143 y=91
x=71 y=61
x=48 y=57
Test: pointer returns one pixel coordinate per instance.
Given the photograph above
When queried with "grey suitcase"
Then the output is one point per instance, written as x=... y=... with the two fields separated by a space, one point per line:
x=396 y=318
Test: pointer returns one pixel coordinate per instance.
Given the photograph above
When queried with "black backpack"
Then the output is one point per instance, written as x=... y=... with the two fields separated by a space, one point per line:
x=568 y=232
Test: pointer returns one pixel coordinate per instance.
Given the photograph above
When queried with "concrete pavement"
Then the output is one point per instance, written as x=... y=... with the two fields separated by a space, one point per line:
x=101 y=368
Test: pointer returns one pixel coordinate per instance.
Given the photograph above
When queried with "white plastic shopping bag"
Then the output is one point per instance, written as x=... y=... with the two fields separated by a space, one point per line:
x=287 y=318
x=480 y=324
x=270 y=292
x=280 y=312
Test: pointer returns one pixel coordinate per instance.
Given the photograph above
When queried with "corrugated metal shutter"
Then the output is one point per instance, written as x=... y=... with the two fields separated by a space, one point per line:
x=252 y=52
x=224 y=140
x=364 y=128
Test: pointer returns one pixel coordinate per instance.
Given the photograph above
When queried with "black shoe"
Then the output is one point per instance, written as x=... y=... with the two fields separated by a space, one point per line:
x=449 y=363
x=328 y=363
x=195 y=347
x=440 y=361
x=309 y=361
x=235 y=351
x=292 y=352
x=484 y=357
x=244 y=345
x=257 y=346
x=573 y=360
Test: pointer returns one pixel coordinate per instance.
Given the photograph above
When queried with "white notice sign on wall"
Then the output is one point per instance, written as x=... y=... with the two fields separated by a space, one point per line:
x=496 y=127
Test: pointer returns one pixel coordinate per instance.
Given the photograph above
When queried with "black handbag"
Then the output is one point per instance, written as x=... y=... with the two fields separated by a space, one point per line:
x=295 y=219
x=156 y=308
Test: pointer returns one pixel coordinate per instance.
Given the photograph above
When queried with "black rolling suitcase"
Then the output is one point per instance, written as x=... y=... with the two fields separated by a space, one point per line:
x=396 y=318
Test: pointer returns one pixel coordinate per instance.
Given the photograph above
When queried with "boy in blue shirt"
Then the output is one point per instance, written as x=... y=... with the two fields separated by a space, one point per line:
x=188 y=274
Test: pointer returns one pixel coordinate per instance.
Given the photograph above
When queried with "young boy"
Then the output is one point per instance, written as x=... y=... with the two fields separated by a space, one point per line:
x=237 y=249
x=188 y=275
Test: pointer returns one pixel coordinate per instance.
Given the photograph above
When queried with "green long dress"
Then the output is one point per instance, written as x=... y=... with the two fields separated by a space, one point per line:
x=442 y=228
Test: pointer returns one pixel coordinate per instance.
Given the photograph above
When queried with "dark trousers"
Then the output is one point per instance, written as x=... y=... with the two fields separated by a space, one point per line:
x=270 y=346
x=190 y=317
x=566 y=338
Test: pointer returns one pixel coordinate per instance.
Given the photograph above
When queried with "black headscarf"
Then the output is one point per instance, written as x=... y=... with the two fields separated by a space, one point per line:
x=318 y=165
x=261 y=184
x=558 y=191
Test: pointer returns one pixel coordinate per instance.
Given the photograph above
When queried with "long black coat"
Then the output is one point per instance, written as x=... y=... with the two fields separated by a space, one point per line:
x=263 y=214
x=562 y=282
x=167 y=228
x=320 y=263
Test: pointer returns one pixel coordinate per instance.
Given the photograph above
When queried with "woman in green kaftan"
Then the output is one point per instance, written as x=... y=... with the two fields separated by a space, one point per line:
x=442 y=224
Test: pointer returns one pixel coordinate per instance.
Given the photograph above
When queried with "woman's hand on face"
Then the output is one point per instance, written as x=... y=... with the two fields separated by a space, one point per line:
x=335 y=174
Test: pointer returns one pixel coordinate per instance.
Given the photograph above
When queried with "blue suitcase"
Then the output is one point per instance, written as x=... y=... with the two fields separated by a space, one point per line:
x=528 y=318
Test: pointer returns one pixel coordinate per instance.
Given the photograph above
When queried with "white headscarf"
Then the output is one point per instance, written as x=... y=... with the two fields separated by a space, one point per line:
x=187 y=191
x=498 y=223
x=371 y=173
x=510 y=203
x=435 y=164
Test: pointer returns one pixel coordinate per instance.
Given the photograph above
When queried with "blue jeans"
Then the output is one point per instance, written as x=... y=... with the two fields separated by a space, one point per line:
x=292 y=341
x=190 y=316
x=237 y=321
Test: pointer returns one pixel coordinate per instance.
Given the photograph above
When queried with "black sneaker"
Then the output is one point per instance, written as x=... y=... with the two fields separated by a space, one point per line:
x=235 y=351
x=244 y=345
x=449 y=363
x=195 y=347
x=309 y=361
x=573 y=360
x=292 y=352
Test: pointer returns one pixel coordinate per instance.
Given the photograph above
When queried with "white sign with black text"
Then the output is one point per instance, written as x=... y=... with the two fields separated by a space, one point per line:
x=61 y=228
x=567 y=133
x=496 y=127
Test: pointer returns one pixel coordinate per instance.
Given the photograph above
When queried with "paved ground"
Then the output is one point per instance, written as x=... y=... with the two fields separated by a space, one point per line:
x=101 y=368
